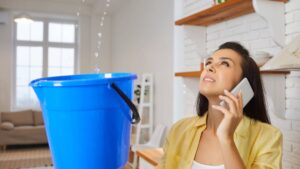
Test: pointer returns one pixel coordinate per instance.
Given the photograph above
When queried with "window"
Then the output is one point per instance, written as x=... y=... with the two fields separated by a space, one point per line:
x=60 y=61
x=42 y=48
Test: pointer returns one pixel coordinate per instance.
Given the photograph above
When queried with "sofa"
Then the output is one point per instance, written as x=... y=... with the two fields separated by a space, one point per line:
x=22 y=127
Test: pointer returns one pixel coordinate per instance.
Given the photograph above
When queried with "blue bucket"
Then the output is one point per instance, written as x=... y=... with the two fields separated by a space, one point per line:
x=88 y=119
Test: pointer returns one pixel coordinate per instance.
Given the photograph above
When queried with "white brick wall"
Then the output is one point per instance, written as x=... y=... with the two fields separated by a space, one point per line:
x=292 y=27
x=253 y=32
x=194 y=47
x=293 y=93
x=292 y=9
x=296 y=125
x=293 y=114
x=192 y=6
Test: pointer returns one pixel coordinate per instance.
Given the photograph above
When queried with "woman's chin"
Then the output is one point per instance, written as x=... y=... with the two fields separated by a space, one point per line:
x=209 y=92
x=206 y=93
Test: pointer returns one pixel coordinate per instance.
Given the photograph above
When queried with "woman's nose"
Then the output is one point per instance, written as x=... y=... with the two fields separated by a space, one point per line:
x=210 y=68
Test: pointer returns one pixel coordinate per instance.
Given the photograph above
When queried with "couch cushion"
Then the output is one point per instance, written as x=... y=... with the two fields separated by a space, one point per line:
x=7 y=126
x=38 y=117
x=18 y=118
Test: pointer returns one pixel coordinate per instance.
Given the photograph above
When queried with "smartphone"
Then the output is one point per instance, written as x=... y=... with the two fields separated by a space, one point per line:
x=247 y=92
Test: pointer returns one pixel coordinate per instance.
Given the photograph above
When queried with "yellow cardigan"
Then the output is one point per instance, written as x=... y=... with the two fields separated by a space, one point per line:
x=259 y=144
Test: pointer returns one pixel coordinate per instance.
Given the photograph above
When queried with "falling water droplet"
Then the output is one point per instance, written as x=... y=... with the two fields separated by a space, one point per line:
x=97 y=69
x=96 y=54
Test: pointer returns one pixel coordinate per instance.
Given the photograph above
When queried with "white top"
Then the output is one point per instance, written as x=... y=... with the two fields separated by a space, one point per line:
x=197 y=165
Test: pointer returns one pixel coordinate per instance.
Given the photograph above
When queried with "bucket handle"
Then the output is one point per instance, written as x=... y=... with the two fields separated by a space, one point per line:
x=135 y=114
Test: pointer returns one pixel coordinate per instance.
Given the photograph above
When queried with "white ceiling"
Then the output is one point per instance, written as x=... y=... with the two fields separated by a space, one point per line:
x=97 y=5
x=89 y=2
x=88 y=7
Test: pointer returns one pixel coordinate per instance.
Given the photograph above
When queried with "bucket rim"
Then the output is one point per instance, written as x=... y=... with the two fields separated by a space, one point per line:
x=82 y=79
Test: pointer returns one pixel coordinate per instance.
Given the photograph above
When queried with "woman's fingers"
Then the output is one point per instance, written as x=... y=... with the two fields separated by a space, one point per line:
x=240 y=98
x=240 y=103
x=235 y=103
x=232 y=97
x=230 y=103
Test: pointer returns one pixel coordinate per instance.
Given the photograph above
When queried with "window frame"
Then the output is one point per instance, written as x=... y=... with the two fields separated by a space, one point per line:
x=45 y=44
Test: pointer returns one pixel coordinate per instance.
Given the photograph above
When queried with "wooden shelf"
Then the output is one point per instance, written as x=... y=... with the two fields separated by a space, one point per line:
x=188 y=74
x=275 y=72
x=198 y=73
x=219 y=13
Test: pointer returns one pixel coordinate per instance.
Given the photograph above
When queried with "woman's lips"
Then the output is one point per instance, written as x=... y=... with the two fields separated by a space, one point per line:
x=208 y=79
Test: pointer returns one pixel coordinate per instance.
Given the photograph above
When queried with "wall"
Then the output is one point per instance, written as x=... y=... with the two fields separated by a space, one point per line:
x=142 y=39
x=88 y=22
x=291 y=132
x=254 y=33
x=5 y=68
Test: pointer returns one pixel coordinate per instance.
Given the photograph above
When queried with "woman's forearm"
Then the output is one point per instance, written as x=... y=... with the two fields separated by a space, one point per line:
x=231 y=156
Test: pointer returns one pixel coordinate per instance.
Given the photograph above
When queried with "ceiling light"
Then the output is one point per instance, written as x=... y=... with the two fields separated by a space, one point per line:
x=23 y=18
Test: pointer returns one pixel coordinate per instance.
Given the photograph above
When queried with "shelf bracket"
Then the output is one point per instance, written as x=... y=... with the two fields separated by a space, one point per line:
x=273 y=13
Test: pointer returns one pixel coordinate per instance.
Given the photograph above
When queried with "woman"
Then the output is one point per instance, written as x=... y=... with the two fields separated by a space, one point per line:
x=230 y=137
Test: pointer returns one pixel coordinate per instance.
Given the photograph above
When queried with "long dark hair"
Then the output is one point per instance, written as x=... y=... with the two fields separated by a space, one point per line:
x=256 y=108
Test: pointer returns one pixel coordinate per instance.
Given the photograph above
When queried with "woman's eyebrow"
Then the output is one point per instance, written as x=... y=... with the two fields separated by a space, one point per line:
x=209 y=58
x=226 y=58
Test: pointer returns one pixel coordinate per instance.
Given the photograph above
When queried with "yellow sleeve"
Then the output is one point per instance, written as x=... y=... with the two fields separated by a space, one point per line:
x=178 y=128
x=162 y=161
x=269 y=151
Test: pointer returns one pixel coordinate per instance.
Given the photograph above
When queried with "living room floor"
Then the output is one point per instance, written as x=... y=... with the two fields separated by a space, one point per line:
x=28 y=157
x=25 y=156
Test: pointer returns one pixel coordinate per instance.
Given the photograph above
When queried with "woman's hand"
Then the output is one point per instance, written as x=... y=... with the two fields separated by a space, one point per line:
x=233 y=114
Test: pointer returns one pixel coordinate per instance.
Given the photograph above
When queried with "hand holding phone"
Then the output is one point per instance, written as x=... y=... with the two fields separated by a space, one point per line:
x=247 y=92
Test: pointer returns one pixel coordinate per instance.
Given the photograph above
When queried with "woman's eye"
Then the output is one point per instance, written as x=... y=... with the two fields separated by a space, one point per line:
x=207 y=63
x=225 y=63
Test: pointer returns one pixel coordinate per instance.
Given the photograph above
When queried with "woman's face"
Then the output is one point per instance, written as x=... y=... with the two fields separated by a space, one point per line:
x=222 y=71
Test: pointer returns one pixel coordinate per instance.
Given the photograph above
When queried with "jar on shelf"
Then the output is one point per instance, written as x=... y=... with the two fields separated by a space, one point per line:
x=219 y=1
